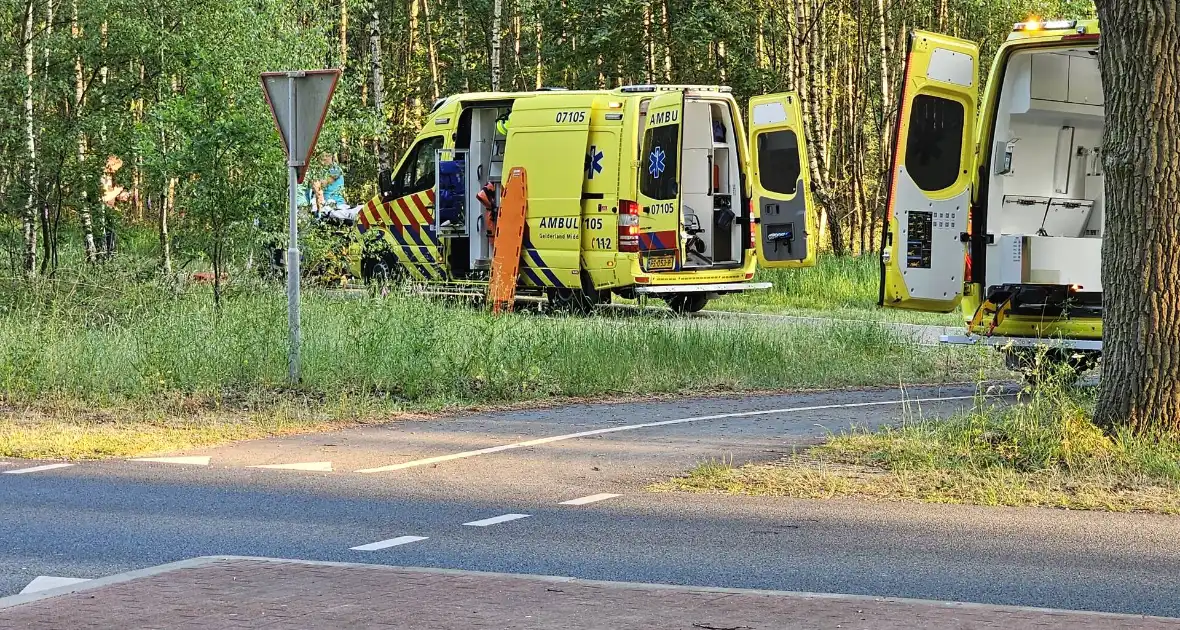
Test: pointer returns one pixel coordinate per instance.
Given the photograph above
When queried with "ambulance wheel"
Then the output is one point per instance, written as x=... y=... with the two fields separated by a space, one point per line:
x=684 y=303
x=379 y=271
x=572 y=301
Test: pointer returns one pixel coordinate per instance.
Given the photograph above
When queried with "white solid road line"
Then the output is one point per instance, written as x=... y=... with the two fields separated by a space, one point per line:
x=21 y=471
x=496 y=520
x=392 y=542
x=590 y=499
x=46 y=582
x=190 y=461
x=632 y=427
x=315 y=466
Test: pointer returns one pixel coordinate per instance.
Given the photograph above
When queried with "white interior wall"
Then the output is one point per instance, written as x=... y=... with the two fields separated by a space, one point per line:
x=1028 y=117
x=696 y=176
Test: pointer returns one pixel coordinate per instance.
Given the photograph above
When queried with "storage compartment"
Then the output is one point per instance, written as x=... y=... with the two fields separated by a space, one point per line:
x=1045 y=194
x=709 y=173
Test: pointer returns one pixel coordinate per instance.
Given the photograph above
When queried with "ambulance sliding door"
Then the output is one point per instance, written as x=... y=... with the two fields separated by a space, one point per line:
x=923 y=249
x=659 y=184
x=786 y=218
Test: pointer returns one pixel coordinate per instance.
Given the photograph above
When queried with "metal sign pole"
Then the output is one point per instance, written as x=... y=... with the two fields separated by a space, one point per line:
x=299 y=139
x=293 y=164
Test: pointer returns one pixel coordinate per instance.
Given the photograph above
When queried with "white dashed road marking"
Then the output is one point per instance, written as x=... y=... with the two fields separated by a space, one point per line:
x=645 y=425
x=46 y=582
x=495 y=520
x=191 y=461
x=21 y=471
x=392 y=542
x=590 y=499
x=316 y=466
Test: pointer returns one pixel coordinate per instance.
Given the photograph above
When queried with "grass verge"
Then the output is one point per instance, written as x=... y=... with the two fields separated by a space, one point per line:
x=120 y=366
x=843 y=287
x=1044 y=451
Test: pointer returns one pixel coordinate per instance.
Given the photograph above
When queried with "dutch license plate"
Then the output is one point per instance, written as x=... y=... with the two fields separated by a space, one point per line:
x=661 y=262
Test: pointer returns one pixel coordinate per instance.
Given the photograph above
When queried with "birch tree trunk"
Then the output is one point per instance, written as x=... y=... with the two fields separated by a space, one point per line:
x=497 y=11
x=79 y=102
x=1140 y=66
x=378 y=88
x=462 y=15
x=29 y=221
x=540 y=83
x=431 y=52
x=649 y=45
x=343 y=33
x=667 y=41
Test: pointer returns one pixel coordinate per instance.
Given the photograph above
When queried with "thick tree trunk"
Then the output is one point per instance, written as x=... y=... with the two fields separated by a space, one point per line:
x=378 y=88
x=497 y=11
x=1140 y=64
x=30 y=215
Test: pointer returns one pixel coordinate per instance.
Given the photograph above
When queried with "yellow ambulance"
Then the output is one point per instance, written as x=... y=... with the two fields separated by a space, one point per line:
x=996 y=205
x=650 y=190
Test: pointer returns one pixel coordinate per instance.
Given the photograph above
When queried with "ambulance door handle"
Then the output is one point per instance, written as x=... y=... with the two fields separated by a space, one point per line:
x=646 y=209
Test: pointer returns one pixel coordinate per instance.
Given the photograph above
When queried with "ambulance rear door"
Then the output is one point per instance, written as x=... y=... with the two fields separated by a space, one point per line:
x=925 y=239
x=786 y=219
x=659 y=184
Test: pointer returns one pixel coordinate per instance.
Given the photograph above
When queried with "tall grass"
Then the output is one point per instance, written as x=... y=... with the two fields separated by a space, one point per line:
x=841 y=286
x=121 y=338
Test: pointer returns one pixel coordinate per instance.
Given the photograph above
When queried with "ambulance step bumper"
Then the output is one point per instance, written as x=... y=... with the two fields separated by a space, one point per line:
x=722 y=287
x=1022 y=342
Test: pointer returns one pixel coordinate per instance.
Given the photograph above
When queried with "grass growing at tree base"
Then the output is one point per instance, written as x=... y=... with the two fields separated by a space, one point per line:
x=1042 y=451
x=177 y=371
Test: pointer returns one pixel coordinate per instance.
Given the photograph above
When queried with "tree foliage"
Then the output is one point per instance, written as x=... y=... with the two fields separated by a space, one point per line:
x=171 y=87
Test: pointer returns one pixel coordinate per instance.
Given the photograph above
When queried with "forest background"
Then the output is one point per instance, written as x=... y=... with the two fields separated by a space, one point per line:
x=170 y=87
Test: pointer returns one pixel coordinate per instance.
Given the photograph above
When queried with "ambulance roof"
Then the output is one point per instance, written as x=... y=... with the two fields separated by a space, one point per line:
x=629 y=90
x=1037 y=29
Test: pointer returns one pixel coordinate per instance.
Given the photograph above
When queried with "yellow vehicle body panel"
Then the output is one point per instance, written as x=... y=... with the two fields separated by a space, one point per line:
x=572 y=233
x=972 y=298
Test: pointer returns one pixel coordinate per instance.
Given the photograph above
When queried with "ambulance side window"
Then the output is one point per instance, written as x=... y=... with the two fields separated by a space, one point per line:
x=934 y=146
x=778 y=161
x=661 y=148
x=417 y=173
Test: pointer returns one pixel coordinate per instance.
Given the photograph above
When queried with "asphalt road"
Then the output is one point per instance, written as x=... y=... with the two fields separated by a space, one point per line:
x=95 y=519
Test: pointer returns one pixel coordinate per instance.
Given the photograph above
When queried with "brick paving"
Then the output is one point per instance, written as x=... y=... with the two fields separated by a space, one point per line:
x=224 y=593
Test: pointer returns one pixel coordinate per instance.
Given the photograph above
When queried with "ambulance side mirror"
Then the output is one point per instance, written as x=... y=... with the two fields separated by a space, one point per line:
x=385 y=184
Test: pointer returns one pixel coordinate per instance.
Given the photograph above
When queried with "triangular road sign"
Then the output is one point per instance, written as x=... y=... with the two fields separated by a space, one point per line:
x=313 y=91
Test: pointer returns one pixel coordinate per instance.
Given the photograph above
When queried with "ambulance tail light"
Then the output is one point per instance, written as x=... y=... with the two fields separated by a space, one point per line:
x=753 y=226
x=628 y=226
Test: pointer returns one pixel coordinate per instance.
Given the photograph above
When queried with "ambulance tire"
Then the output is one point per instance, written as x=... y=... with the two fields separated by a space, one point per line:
x=581 y=301
x=380 y=271
x=572 y=301
x=685 y=303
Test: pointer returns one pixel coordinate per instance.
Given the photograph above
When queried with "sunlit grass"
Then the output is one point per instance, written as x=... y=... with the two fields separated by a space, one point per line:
x=1043 y=451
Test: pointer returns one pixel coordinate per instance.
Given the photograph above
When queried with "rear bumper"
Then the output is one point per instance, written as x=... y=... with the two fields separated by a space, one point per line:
x=1022 y=342
x=718 y=288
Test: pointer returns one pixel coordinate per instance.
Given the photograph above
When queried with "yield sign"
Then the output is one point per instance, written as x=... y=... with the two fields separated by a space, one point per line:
x=299 y=102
